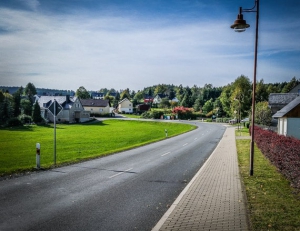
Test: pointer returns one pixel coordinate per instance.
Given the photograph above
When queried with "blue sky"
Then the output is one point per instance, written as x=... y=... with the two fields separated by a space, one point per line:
x=120 y=44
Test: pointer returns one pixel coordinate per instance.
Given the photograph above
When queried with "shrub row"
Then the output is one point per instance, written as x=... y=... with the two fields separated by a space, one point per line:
x=282 y=151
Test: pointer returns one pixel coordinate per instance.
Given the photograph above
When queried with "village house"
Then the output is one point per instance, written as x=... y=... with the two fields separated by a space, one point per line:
x=289 y=119
x=97 y=106
x=71 y=109
x=125 y=106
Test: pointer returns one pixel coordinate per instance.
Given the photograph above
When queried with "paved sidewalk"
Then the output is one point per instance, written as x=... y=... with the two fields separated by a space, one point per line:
x=214 y=199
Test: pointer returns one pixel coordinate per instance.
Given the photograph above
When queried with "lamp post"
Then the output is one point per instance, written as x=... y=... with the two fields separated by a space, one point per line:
x=240 y=25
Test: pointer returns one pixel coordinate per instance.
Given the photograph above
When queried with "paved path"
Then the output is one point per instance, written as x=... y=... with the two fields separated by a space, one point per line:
x=214 y=199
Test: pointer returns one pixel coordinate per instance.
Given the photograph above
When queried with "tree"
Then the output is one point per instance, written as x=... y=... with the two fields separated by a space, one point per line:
x=164 y=103
x=26 y=107
x=139 y=96
x=263 y=114
x=6 y=110
x=179 y=93
x=82 y=93
x=36 y=114
x=187 y=98
x=240 y=95
x=208 y=106
x=30 y=91
x=17 y=101
x=261 y=92
x=290 y=85
x=225 y=99
x=125 y=94
x=197 y=105
x=2 y=97
x=160 y=88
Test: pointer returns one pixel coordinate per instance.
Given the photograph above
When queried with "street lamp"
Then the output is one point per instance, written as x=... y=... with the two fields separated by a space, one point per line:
x=240 y=25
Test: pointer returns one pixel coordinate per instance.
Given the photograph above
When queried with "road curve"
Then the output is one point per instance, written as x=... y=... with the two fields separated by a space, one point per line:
x=130 y=190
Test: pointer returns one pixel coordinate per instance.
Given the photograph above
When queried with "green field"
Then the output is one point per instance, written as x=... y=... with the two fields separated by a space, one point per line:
x=76 y=142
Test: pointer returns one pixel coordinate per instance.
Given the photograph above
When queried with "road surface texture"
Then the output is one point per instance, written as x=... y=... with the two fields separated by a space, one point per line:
x=130 y=190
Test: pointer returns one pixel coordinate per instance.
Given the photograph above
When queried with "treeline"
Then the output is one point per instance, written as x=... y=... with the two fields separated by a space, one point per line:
x=233 y=100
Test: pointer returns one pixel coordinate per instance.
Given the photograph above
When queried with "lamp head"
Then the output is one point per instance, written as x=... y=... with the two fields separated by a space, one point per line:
x=240 y=24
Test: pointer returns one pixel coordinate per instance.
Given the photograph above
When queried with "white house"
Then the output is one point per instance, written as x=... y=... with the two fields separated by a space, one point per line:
x=125 y=106
x=289 y=119
x=96 y=106
x=72 y=110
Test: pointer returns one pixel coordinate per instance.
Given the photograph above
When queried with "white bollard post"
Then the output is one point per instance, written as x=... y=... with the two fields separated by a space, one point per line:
x=38 y=152
x=166 y=131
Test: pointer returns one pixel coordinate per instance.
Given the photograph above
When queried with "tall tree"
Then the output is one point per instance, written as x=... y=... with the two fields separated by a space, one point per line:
x=30 y=91
x=241 y=95
x=125 y=94
x=263 y=114
x=82 y=93
x=6 y=110
x=17 y=101
x=36 y=114
x=261 y=92
x=26 y=107
x=208 y=106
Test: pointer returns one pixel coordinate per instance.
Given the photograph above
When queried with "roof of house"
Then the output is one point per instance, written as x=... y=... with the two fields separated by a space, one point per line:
x=94 y=102
x=161 y=95
x=287 y=108
x=281 y=98
x=124 y=100
x=296 y=89
x=97 y=94
x=65 y=101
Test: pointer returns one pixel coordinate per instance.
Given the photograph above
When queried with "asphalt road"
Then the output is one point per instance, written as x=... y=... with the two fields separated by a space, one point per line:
x=126 y=191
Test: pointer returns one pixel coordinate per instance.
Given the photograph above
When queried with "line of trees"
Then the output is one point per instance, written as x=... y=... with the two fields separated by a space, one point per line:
x=232 y=100
x=20 y=107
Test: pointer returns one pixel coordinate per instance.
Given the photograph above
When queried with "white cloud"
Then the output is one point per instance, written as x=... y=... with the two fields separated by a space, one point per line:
x=118 y=52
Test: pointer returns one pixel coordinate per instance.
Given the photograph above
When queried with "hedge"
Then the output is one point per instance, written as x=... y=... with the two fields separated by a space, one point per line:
x=282 y=151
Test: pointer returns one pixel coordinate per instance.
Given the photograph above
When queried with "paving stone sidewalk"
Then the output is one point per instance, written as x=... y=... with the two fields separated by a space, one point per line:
x=214 y=199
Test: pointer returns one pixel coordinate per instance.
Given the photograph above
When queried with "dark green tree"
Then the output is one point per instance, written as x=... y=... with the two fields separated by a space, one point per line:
x=36 y=114
x=125 y=94
x=208 y=106
x=26 y=107
x=6 y=110
x=82 y=93
x=17 y=101
x=30 y=91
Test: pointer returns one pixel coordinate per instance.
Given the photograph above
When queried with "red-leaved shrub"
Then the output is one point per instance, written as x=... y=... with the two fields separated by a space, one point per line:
x=282 y=151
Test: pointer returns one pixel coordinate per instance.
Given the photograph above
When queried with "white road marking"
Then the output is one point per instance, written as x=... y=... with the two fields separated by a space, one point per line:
x=196 y=138
x=185 y=144
x=120 y=173
x=166 y=153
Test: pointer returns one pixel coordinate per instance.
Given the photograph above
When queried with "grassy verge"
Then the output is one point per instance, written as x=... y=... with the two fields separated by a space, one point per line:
x=272 y=203
x=77 y=142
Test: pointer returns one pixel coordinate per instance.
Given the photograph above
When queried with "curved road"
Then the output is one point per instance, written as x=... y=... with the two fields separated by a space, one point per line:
x=126 y=191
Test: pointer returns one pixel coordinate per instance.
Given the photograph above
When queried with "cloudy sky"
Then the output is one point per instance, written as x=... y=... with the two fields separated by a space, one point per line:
x=133 y=44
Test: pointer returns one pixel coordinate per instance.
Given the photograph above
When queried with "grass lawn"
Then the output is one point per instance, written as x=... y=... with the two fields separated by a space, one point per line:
x=77 y=141
x=132 y=116
x=272 y=203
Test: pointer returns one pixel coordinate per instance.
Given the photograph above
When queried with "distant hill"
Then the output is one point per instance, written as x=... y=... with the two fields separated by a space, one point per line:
x=41 y=91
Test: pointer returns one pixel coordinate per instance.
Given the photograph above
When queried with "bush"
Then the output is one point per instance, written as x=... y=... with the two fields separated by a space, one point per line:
x=183 y=112
x=152 y=114
x=283 y=152
x=13 y=122
x=25 y=119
